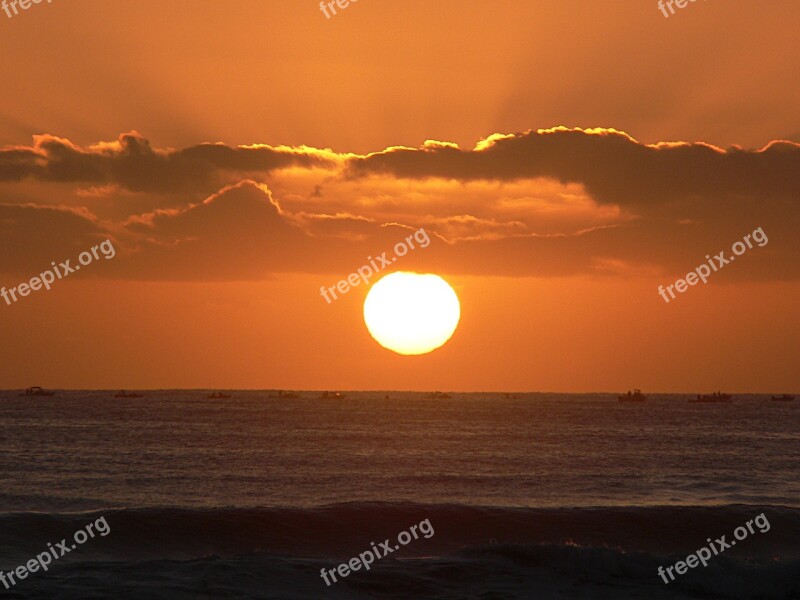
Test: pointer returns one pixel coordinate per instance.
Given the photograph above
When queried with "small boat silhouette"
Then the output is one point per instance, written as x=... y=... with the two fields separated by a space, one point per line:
x=440 y=396
x=218 y=395
x=124 y=394
x=712 y=398
x=632 y=396
x=283 y=394
x=784 y=398
x=332 y=396
x=37 y=391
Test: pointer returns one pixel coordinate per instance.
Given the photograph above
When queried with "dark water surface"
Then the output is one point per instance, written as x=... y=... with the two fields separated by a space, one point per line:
x=544 y=496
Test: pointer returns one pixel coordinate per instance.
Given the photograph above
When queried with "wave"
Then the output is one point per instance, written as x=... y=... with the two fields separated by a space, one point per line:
x=338 y=530
x=473 y=552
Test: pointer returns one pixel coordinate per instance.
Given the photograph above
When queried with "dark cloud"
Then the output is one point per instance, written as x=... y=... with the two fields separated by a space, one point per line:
x=688 y=199
x=133 y=164
x=613 y=167
x=33 y=236
x=679 y=202
x=243 y=233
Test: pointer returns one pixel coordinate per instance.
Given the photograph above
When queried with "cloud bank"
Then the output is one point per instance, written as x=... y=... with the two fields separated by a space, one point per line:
x=550 y=202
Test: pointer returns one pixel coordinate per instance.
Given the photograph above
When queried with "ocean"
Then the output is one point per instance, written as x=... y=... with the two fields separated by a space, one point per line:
x=534 y=496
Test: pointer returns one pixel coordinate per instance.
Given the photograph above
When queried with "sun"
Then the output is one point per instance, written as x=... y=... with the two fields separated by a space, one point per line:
x=411 y=313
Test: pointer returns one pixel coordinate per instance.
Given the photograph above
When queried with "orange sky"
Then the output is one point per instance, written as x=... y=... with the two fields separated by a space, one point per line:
x=242 y=155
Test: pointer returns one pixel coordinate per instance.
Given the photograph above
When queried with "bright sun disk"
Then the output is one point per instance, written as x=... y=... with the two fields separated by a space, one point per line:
x=411 y=313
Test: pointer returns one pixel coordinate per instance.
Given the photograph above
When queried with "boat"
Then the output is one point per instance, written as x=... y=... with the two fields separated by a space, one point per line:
x=632 y=396
x=282 y=394
x=440 y=396
x=37 y=391
x=712 y=398
x=332 y=396
x=784 y=398
x=124 y=394
x=216 y=395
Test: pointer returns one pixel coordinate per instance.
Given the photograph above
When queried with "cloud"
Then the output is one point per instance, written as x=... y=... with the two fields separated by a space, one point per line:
x=32 y=236
x=550 y=202
x=241 y=232
x=132 y=163
x=613 y=166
